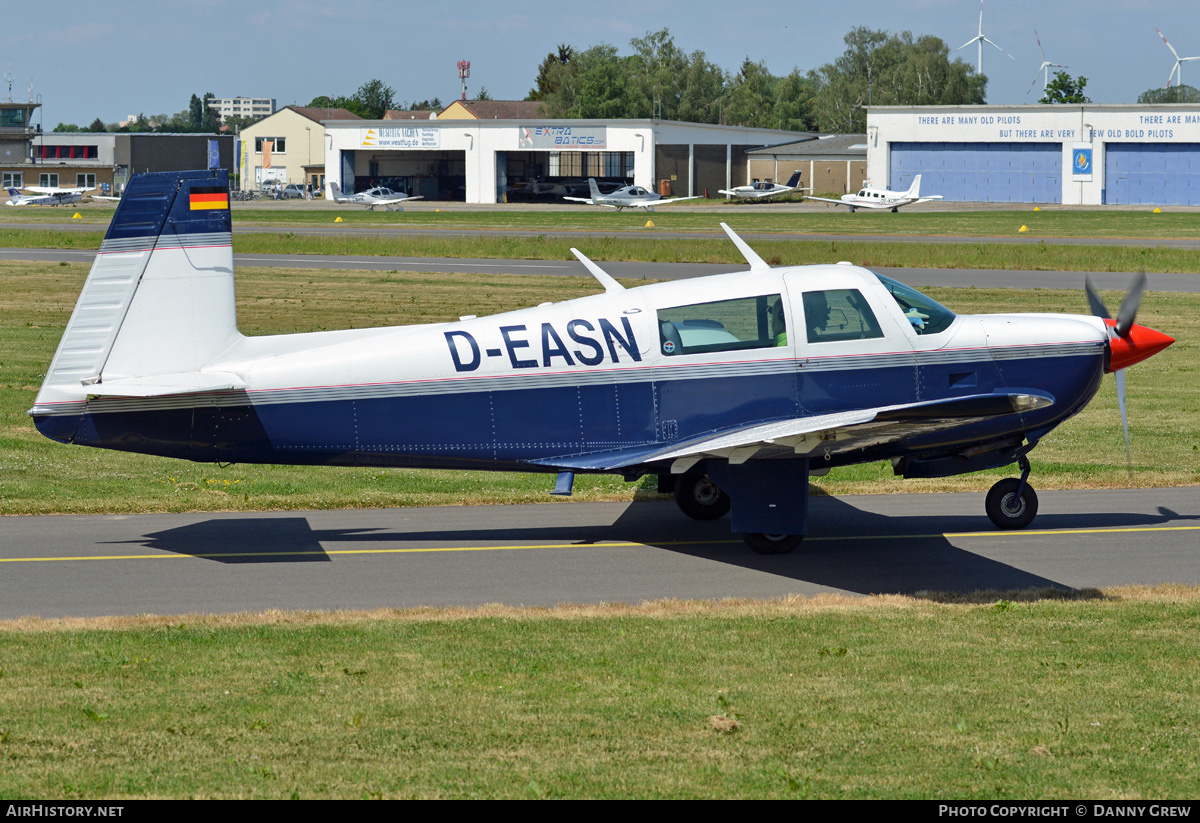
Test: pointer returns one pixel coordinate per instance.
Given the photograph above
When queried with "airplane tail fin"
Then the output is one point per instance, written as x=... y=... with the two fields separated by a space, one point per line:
x=159 y=299
x=594 y=189
x=914 y=190
x=794 y=180
x=334 y=190
x=13 y=193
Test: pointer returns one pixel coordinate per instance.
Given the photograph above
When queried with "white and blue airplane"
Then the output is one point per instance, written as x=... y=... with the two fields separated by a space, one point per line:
x=733 y=389
x=46 y=196
x=627 y=197
x=764 y=189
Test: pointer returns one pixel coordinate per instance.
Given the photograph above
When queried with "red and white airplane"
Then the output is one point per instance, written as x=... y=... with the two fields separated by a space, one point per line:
x=732 y=389
x=869 y=198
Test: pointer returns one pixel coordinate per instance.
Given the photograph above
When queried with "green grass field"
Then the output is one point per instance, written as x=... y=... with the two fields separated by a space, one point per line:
x=1004 y=696
x=40 y=476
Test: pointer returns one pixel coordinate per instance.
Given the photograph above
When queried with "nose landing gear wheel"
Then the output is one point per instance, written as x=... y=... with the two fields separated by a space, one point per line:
x=700 y=498
x=1006 y=509
x=772 y=543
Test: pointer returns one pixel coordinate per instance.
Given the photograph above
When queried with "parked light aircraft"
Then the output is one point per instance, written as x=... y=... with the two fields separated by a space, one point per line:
x=378 y=196
x=732 y=389
x=627 y=197
x=764 y=189
x=45 y=196
x=869 y=198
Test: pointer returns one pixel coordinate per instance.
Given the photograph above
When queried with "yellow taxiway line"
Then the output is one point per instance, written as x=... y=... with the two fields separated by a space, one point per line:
x=436 y=549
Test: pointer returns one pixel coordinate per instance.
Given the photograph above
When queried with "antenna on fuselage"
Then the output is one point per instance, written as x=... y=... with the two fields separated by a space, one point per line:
x=756 y=262
x=606 y=280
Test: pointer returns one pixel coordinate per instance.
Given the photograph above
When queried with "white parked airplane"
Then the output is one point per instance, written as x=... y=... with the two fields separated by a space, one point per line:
x=869 y=198
x=764 y=189
x=627 y=197
x=378 y=196
x=45 y=196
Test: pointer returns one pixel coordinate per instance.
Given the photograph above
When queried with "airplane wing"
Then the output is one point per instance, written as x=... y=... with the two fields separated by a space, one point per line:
x=819 y=434
x=834 y=202
x=55 y=190
x=667 y=200
x=587 y=200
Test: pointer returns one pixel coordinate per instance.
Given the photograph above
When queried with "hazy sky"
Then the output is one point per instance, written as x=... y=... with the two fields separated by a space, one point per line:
x=110 y=59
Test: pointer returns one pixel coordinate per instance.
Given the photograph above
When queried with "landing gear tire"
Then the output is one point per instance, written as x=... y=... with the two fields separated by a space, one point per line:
x=772 y=543
x=1007 y=510
x=700 y=498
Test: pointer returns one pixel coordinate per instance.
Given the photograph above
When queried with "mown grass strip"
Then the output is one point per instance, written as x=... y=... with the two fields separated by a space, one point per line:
x=998 y=695
x=38 y=476
x=1050 y=221
x=982 y=255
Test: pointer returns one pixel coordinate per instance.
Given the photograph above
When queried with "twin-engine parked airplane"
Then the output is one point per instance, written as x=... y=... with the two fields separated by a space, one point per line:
x=869 y=198
x=763 y=189
x=46 y=196
x=733 y=389
x=626 y=197
x=378 y=196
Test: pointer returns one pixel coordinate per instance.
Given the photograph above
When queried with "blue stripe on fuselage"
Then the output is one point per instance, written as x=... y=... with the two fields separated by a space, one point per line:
x=493 y=429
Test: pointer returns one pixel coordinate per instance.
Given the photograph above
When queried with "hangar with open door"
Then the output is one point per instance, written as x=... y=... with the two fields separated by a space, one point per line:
x=980 y=172
x=1152 y=174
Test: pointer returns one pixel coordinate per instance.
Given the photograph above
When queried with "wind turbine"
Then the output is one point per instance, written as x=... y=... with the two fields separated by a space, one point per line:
x=1177 y=69
x=980 y=40
x=1046 y=64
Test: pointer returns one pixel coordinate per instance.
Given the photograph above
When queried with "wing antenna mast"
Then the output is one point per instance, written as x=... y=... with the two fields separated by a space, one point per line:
x=756 y=262
x=606 y=280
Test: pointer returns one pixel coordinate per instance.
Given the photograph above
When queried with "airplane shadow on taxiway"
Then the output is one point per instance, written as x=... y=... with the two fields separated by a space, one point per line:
x=848 y=548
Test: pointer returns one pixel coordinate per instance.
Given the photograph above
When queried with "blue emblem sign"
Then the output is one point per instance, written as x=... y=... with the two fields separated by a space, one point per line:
x=1081 y=161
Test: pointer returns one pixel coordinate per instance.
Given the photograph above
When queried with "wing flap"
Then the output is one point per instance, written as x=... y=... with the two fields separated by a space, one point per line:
x=840 y=431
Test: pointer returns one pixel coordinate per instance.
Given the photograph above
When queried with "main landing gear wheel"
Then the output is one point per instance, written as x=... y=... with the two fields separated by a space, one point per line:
x=700 y=498
x=1011 y=504
x=772 y=543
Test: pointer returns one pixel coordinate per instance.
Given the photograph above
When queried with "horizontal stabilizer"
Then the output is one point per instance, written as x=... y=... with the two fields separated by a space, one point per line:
x=161 y=385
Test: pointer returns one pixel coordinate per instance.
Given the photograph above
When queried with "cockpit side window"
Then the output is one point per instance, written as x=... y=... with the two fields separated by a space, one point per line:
x=926 y=315
x=838 y=314
x=723 y=325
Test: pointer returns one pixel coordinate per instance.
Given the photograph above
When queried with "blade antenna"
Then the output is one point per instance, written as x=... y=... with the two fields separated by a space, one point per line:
x=756 y=262
x=606 y=280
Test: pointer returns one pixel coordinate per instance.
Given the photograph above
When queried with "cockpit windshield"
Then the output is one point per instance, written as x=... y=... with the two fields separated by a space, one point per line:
x=926 y=314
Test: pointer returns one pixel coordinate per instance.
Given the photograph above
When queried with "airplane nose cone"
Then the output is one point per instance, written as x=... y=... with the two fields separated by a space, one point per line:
x=1140 y=343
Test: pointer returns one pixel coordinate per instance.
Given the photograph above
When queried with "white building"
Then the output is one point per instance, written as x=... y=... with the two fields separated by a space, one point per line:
x=243 y=106
x=1073 y=154
x=479 y=160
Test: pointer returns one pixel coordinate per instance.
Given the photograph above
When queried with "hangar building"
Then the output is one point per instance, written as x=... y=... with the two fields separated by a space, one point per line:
x=1087 y=154
x=480 y=160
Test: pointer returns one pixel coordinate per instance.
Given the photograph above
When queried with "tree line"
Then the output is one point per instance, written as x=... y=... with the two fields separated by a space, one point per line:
x=658 y=79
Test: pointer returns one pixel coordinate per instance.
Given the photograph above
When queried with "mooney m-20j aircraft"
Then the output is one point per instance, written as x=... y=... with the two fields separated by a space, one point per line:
x=869 y=198
x=626 y=197
x=732 y=389
x=764 y=189
x=45 y=196
x=378 y=196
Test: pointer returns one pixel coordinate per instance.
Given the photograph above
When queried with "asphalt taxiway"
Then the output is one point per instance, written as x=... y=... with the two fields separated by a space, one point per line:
x=543 y=555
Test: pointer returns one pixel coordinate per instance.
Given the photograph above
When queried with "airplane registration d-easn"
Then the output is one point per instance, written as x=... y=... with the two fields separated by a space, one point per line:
x=732 y=389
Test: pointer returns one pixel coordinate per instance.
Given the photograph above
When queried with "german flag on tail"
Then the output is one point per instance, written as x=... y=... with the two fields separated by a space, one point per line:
x=208 y=197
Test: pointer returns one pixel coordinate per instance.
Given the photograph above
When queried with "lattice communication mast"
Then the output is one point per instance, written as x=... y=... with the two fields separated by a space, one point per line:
x=464 y=71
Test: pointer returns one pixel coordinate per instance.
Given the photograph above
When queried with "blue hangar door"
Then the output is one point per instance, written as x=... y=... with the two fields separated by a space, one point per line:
x=981 y=172
x=1166 y=174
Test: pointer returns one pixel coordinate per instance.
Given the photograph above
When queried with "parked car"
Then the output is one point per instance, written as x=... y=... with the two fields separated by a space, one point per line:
x=293 y=191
